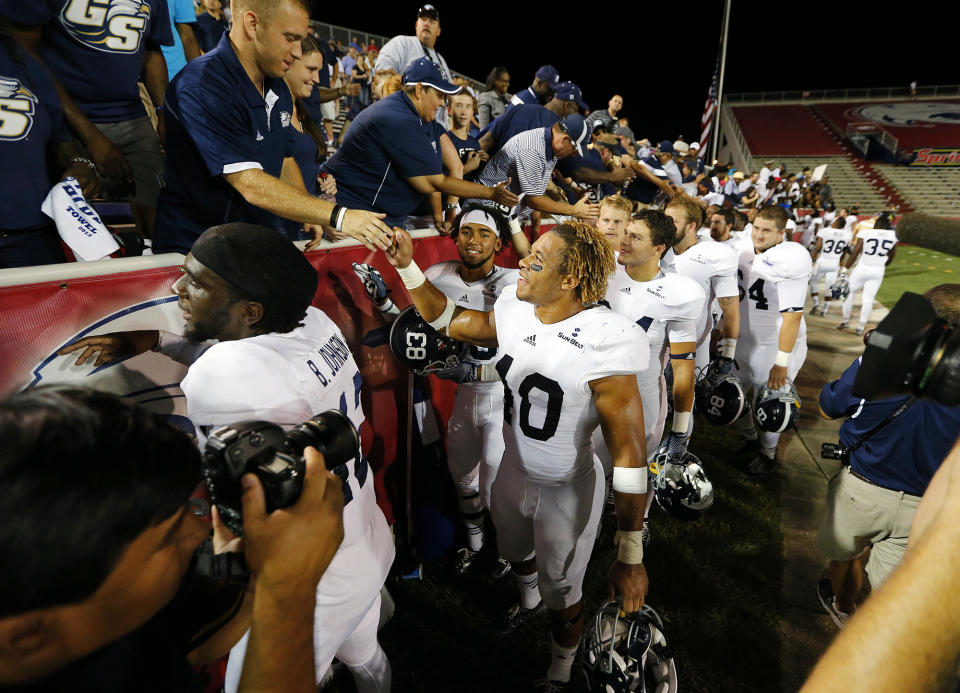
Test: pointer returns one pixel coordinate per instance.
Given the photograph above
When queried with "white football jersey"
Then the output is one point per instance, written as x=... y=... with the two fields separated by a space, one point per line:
x=877 y=244
x=478 y=295
x=713 y=267
x=832 y=245
x=285 y=379
x=775 y=280
x=668 y=309
x=546 y=369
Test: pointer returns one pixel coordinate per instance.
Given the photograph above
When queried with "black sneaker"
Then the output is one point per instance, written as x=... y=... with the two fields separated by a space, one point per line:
x=746 y=447
x=828 y=601
x=550 y=686
x=516 y=616
x=760 y=466
x=465 y=559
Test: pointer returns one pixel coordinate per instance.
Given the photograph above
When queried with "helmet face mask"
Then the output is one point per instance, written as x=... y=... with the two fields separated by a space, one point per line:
x=626 y=653
x=420 y=347
x=777 y=410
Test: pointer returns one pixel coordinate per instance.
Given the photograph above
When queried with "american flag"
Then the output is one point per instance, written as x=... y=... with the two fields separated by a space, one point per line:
x=709 y=109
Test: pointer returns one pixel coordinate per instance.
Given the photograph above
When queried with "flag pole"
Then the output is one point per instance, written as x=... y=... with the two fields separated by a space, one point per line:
x=723 y=66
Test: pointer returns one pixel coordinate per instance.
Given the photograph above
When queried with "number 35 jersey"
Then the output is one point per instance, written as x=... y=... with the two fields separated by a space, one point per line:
x=546 y=369
x=771 y=282
x=877 y=244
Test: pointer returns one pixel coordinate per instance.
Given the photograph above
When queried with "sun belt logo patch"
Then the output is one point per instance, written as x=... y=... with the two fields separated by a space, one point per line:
x=17 y=106
x=112 y=26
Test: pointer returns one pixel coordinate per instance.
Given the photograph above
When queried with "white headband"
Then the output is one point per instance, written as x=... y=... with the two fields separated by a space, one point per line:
x=482 y=217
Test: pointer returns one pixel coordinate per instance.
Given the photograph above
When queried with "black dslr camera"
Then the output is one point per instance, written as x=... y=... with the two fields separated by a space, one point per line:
x=912 y=351
x=275 y=456
x=835 y=451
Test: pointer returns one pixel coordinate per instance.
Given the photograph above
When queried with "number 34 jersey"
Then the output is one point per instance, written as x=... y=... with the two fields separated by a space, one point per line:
x=771 y=282
x=546 y=369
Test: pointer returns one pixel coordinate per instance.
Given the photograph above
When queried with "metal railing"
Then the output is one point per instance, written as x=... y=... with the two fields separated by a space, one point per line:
x=942 y=90
x=735 y=138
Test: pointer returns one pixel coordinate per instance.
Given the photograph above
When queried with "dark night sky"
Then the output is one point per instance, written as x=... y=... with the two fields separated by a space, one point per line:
x=662 y=73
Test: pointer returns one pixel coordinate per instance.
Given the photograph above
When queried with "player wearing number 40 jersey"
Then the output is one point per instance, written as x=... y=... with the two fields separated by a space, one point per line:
x=277 y=359
x=773 y=274
x=568 y=365
x=826 y=255
x=874 y=248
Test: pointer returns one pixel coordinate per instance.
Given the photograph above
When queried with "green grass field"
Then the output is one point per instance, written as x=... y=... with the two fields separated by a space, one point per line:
x=917 y=269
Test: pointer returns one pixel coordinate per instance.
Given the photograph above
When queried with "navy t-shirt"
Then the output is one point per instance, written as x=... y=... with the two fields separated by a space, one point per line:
x=591 y=159
x=95 y=49
x=464 y=147
x=30 y=120
x=905 y=454
x=218 y=123
x=209 y=31
x=519 y=119
x=385 y=145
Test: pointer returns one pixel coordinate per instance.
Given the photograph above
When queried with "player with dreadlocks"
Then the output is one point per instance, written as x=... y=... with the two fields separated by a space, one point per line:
x=568 y=365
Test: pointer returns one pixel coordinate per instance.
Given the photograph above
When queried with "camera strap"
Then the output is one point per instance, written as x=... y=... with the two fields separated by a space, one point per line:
x=228 y=566
x=883 y=424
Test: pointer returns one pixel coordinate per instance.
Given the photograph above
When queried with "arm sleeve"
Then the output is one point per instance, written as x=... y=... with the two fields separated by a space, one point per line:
x=180 y=349
x=213 y=119
x=836 y=398
x=622 y=349
x=182 y=12
x=724 y=285
x=389 y=58
x=161 y=32
x=792 y=293
x=681 y=331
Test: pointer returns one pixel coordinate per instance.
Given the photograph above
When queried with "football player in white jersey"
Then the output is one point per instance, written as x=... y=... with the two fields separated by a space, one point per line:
x=615 y=211
x=826 y=255
x=567 y=365
x=278 y=359
x=774 y=274
x=721 y=227
x=713 y=266
x=668 y=307
x=875 y=249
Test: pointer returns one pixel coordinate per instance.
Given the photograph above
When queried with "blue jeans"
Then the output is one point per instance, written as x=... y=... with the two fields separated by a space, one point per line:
x=30 y=248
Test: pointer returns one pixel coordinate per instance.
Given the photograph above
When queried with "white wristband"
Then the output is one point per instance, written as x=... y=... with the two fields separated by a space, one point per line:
x=681 y=421
x=515 y=227
x=629 y=547
x=728 y=347
x=411 y=276
x=630 y=479
x=443 y=321
x=783 y=359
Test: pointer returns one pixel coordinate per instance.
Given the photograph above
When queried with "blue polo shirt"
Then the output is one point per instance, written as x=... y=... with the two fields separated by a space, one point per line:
x=906 y=453
x=516 y=120
x=96 y=51
x=591 y=159
x=385 y=145
x=217 y=123
x=32 y=120
x=527 y=96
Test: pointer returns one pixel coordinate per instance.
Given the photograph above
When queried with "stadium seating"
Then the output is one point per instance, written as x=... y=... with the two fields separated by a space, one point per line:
x=850 y=183
x=929 y=190
x=785 y=129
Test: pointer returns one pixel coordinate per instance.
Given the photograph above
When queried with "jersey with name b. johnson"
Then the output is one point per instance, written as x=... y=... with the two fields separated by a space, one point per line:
x=771 y=282
x=667 y=308
x=546 y=369
x=478 y=295
x=833 y=241
x=713 y=266
x=877 y=244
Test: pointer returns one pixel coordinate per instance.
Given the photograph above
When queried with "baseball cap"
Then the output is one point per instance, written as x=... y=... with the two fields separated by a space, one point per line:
x=428 y=11
x=694 y=146
x=549 y=74
x=738 y=175
x=575 y=126
x=666 y=148
x=681 y=147
x=611 y=142
x=568 y=91
x=428 y=72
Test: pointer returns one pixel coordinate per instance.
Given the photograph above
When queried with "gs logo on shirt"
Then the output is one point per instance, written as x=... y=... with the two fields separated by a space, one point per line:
x=17 y=106
x=112 y=26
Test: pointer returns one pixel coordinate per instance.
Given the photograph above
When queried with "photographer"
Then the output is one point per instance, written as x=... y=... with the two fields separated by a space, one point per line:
x=279 y=359
x=891 y=447
x=96 y=540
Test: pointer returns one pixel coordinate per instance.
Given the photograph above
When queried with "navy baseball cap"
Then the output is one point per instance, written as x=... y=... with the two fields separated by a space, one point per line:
x=575 y=126
x=666 y=147
x=549 y=74
x=428 y=72
x=428 y=11
x=612 y=143
x=568 y=91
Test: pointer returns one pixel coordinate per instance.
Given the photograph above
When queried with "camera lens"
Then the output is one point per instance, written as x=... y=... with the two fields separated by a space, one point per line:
x=332 y=433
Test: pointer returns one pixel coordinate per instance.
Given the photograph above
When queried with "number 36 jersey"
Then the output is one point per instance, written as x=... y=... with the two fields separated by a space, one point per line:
x=771 y=282
x=546 y=369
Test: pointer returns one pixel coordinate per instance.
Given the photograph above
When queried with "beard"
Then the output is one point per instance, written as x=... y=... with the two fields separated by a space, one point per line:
x=205 y=330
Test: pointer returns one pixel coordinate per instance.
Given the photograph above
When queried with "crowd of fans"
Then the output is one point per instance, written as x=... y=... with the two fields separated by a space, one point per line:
x=216 y=123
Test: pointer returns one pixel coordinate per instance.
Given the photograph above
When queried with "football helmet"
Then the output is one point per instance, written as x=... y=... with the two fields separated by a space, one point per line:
x=776 y=410
x=420 y=347
x=719 y=396
x=628 y=653
x=840 y=289
x=681 y=488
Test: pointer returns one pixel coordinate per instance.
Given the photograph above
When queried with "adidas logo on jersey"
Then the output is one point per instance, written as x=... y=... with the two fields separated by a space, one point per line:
x=462 y=299
x=531 y=340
